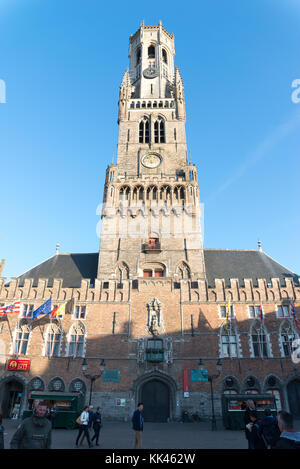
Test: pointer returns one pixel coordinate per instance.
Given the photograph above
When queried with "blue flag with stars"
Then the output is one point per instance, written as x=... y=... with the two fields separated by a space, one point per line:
x=45 y=308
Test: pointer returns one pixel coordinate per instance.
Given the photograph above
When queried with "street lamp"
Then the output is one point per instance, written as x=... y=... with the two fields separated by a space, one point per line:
x=92 y=378
x=210 y=379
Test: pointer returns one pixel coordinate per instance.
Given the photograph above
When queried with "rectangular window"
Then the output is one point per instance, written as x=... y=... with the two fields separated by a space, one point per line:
x=52 y=347
x=283 y=311
x=254 y=311
x=76 y=345
x=27 y=311
x=259 y=345
x=80 y=312
x=229 y=346
x=21 y=343
x=223 y=310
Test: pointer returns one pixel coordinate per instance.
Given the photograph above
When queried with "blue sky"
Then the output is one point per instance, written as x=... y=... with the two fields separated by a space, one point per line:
x=63 y=61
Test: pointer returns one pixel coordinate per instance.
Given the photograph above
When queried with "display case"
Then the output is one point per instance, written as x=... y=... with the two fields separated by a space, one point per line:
x=234 y=407
x=68 y=406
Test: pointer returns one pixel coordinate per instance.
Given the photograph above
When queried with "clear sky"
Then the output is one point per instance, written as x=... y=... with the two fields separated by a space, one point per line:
x=62 y=62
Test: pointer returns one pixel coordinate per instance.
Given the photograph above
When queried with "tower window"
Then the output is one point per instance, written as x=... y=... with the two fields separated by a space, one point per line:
x=144 y=131
x=164 y=56
x=151 y=52
x=138 y=56
x=159 y=131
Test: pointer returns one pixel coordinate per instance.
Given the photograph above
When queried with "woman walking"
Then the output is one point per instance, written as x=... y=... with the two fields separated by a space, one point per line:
x=97 y=425
x=83 y=427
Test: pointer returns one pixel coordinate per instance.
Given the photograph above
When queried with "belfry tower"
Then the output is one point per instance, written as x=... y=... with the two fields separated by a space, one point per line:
x=151 y=206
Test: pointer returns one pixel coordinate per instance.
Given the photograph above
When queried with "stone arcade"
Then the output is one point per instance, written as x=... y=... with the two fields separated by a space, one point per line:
x=153 y=301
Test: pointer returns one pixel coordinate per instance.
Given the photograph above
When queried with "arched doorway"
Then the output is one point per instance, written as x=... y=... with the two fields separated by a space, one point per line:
x=293 y=389
x=155 y=396
x=11 y=397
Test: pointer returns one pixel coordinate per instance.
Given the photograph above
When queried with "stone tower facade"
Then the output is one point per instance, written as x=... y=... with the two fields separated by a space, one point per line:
x=151 y=207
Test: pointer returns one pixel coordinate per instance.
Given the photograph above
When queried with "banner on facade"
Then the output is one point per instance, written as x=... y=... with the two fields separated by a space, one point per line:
x=186 y=383
x=18 y=365
x=111 y=376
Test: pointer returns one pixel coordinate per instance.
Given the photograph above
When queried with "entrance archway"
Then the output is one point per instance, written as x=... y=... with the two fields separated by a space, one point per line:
x=155 y=396
x=12 y=393
x=293 y=389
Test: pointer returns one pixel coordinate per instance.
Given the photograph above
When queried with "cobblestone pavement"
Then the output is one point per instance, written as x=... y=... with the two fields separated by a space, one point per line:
x=174 y=435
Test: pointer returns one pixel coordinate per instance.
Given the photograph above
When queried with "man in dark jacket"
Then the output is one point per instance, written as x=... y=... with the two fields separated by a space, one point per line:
x=250 y=410
x=268 y=429
x=137 y=425
x=34 y=432
x=289 y=438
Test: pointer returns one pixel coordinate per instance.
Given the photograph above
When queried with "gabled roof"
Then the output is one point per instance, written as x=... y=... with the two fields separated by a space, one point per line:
x=219 y=263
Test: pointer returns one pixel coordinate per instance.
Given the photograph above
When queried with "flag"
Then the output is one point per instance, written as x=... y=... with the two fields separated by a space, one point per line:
x=12 y=308
x=59 y=311
x=45 y=308
x=261 y=314
x=70 y=306
x=293 y=313
x=228 y=314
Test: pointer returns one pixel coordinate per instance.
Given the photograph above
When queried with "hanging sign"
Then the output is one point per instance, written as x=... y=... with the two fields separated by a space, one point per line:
x=18 y=365
x=186 y=383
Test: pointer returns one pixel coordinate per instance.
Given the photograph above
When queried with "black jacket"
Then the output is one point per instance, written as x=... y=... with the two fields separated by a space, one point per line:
x=247 y=419
x=268 y=428
x=97 y=421
x=255 y=438
x=91 y=418
x=137 y=421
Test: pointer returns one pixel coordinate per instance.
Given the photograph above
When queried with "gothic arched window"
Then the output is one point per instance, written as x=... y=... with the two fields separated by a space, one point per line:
x=228 y=342
x=144 y=130
x=20 y=345
x=151 y=52
x=159 y=130
x=164 y=56
x=259 y=340
x=53 y=340
x=287 y=336
x=76 y=340
x=138 y=55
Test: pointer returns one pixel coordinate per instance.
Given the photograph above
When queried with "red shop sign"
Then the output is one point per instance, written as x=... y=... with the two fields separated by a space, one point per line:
x=18 y=365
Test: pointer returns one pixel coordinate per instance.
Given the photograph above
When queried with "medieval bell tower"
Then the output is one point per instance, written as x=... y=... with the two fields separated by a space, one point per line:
x=151 y=206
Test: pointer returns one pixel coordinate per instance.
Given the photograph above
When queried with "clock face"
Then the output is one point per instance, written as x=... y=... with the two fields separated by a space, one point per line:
x=152 y=160
x=150 y=73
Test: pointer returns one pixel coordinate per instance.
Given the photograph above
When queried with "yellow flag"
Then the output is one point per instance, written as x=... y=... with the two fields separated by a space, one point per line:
x=59 y=312
x=228 y=314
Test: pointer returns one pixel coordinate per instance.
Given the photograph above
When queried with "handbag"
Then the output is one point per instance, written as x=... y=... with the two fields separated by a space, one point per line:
x=78 y=420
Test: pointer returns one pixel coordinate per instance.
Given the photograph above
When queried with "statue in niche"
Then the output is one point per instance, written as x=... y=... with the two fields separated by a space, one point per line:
x=154 y=317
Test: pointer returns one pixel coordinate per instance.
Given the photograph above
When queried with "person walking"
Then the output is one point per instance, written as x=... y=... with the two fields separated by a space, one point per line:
x=34 y=432
x=97 y=425
x=83 y=427
x=268 y=429
x=254 y=437
x=1 y=432
x=53 y=415
x=137 y=425
x=289 y=438
x=250 y=410
x=90 y=423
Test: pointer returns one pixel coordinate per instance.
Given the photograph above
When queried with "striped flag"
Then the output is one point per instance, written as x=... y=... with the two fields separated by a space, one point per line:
x=261 y=314
x=60 y=311
x=228 y=314
x=293 y=313
x=12 y=308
